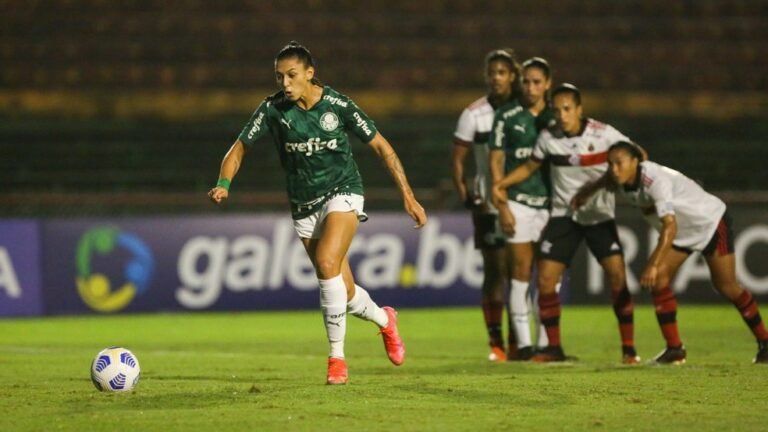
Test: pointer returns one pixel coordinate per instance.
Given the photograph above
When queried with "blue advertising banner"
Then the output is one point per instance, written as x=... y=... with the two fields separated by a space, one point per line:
x=247 y=262
x=255 y=262
x=19 y=268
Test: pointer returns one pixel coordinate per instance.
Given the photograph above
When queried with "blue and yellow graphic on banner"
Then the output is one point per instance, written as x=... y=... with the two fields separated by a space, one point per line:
x=96 y=288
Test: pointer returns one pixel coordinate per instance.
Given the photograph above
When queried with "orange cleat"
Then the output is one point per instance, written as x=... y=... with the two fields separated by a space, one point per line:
x=337 y=371
x=497 y=354
x=393 y=343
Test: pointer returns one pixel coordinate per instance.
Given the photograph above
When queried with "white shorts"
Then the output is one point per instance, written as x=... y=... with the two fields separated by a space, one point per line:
x=312 y=225
x=529 y=222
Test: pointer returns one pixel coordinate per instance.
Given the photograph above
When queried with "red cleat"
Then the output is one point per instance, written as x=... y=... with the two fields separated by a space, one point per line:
x=337 y=371
x=392 y=341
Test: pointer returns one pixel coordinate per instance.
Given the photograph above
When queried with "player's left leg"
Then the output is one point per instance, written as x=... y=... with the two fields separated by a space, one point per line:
x=603 y=242
x=665 y=306
x=521 y=263
x=723 y=269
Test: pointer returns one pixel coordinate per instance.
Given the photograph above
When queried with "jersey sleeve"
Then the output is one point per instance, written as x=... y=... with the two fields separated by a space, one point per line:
x=257 y=126
x=498 y=135
x=540 y=150
x=358 y=122
x=660 y=190
x=614 y=135
x=466 y=127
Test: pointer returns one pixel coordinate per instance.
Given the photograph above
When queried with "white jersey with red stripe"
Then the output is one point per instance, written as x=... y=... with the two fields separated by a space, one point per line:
x=575 y=161
x=662 y=191
x=474 y=126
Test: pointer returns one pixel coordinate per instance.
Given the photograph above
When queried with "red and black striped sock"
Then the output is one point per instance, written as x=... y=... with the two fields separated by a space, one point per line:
x=747 y=307
x=624 y=309
x=492 y=312
x=666 y=314
x=549 y=307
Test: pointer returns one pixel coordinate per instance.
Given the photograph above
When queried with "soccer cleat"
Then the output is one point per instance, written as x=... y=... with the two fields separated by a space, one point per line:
x=674 y=356
x=549 y=354
x=629 y=355
x=522 y=354
x=393 y=343
x=497 y=354
x=762 y=353
x=629 y=359
x=337 y=371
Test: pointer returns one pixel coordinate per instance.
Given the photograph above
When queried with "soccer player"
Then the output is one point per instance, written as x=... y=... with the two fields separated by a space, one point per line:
x=502 y=74
x=688 y=219
x=525 y=210
x=576 y=150
x=308 y=123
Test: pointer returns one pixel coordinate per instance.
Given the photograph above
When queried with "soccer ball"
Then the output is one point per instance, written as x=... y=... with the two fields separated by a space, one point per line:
x=115 y=369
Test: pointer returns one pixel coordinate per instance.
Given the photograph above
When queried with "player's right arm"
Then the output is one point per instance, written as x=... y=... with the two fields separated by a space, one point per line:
x=256 y=128
x=516 y=176
x=229 y=167
x=461 y=150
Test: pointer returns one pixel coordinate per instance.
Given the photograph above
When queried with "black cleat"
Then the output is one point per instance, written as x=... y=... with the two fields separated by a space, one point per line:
x=762 y=353
x=521 y=354
x=549 y=354
x=674 y=356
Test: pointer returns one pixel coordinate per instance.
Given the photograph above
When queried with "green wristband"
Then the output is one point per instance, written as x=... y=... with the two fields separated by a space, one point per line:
x=223 y=183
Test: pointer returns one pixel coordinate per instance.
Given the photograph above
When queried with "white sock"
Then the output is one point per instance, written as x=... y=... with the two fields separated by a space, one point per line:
x=363 y=307
x=518 y=301
x=333 y=303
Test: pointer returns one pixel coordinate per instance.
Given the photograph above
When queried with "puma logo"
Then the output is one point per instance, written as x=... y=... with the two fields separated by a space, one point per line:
x=287 y=123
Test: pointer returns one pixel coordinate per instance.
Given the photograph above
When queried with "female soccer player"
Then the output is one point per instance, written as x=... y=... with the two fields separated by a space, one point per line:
x=688 y=219
x=525 y=211
x=575 y=151
x=502 y=74
x=308 y=123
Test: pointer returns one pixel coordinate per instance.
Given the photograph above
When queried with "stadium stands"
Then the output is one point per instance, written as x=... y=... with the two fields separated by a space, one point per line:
x=147 y=95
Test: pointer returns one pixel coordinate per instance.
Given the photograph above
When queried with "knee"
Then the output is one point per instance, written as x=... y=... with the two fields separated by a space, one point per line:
x=327 y=267
x=546 y=283
x=521 y=270
x=617 y=277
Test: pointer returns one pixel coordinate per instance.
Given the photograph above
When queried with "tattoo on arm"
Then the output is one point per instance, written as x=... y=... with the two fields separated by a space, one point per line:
x=395 y=167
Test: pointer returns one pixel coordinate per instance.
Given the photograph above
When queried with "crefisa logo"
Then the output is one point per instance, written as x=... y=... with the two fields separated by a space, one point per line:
x=102 y=248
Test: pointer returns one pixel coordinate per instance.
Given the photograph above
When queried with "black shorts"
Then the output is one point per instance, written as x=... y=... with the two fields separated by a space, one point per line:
x=487 y=232
x=721 y=241
x=562 y=237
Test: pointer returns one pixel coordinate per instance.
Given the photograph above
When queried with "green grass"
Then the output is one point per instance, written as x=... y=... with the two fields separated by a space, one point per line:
x=266 y=371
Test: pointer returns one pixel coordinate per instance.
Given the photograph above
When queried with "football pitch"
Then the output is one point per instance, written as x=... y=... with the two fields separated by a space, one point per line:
x=266 y=371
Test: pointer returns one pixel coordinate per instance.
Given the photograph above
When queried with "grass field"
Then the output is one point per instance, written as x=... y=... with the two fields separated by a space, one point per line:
x=266 y=371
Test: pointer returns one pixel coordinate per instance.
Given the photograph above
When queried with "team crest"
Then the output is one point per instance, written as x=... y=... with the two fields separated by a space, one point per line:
x=591 y=147
x=329 y=122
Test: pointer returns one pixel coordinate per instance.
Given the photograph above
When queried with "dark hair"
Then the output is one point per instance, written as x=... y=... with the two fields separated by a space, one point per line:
x=504 y=54
x=568 y=88
x=539 y=63
x=507 y=55
x=631 y=148
x=301 y=53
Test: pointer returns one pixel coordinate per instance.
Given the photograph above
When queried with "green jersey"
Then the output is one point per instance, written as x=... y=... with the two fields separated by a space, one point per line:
x=515 y=130
x=314 y=149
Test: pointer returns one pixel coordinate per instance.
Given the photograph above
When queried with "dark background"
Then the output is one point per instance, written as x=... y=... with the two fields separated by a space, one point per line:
x=128 y=107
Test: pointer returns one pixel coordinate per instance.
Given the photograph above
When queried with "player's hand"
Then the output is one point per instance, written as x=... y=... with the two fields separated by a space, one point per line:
x=416 y=212
x=648 y=279
x=218 y=194
x=499 y=195
x=507 y=222
x=579 y=200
